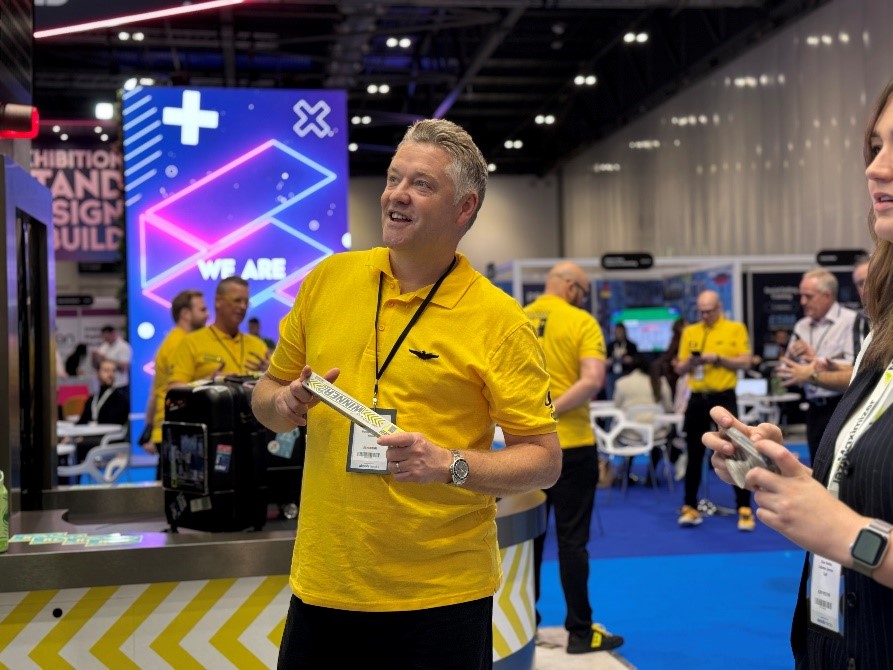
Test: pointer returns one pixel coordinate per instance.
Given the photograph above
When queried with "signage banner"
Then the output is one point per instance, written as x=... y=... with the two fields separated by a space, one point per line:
x=87 y=187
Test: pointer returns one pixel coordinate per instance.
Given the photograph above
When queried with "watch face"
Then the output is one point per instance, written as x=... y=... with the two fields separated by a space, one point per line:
x=460 y=469
x=869 y=547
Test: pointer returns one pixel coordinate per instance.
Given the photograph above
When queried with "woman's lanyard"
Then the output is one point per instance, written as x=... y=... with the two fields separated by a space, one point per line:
x=878 y=403
x=379 y=371
x=98 y=402
x=240 y=364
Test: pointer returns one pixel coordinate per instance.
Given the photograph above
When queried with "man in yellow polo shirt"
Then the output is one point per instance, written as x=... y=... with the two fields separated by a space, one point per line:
x=575 y=358
x=190 y=313
x=711 y=352
x=221 y=348
x=396 y=543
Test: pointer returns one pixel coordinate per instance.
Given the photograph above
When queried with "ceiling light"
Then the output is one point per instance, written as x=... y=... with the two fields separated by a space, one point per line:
x=579 y=80
x=641 y=38
x=540 y=119
x=97 y=129
x=147 y=81
x=138 y=37
x=372 y=88
x=104 y=110
x=64 y=137
x=629 y=38
x=812 y=40
x=104 y=137
x=352 y=146
x=517 y=144
x=130 y=84
x=558 y=28
x=491 y=167
x=507 y=144
x=384 y=88
x=391 y=42
x=355 y=120
x=844 y=38
x=590 y=80
x=550 y=119
x=405 y=42
x=366 y=120
x=827 y=40
x=123 y=36
x=56 y=129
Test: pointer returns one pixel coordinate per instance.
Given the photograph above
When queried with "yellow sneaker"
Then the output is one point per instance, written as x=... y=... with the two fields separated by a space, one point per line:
x=745 y=519
x=689 y=517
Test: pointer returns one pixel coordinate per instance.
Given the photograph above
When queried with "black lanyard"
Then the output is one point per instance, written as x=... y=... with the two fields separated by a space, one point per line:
x=379 y=371
x=240 y=363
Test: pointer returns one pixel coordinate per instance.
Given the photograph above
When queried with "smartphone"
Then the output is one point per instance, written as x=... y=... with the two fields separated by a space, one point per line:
x=747 y=453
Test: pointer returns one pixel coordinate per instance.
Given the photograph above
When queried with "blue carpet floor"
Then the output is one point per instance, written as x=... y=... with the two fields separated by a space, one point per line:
x=684 y=598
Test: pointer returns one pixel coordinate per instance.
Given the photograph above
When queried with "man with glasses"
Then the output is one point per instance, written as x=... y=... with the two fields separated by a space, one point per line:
x=711 y=352
x=822 y=343
x=575 y=359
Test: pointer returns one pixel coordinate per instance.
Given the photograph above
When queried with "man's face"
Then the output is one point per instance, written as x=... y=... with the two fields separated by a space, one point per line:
x=709 y=309
x=254 y=327
x=815 y=302
x=109 y=336
x=859 y=276
x=198 y=312
x=106 y=373
x=230 y=307
x=418 y=211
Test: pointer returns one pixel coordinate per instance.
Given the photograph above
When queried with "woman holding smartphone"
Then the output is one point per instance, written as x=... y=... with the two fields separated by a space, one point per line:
x=841 y=512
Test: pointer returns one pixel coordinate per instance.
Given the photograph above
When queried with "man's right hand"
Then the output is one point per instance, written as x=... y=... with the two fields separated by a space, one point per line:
x=293 y=401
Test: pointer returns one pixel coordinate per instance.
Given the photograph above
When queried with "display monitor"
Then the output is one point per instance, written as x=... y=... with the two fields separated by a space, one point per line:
x=185 y=466
x=650 y=328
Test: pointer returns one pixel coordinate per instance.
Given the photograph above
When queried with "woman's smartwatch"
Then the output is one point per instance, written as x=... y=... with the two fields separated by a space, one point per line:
x=871 y=546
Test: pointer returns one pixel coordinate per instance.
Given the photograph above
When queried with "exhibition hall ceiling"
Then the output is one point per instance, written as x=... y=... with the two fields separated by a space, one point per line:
x=534 y=81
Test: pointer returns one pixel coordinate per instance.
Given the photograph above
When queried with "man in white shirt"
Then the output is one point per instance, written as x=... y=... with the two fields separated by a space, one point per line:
x=115 y=349
x=822 y=339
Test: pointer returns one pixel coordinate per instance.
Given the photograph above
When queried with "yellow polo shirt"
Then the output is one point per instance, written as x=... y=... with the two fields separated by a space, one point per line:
x=209 y=351
x=726 y=338
x=366 y=542
x=163 y=358
x=567 y=334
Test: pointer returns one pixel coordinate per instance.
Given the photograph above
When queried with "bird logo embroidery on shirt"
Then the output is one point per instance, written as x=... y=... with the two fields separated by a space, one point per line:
x=424 y=355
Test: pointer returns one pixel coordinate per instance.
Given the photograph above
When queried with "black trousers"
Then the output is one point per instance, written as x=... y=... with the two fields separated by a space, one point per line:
x=572 y=498
x=818 y=414
x=698 y=422
x=455 y=637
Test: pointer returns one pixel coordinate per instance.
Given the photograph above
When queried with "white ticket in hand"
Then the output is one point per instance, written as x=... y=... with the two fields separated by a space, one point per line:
x=350 y=407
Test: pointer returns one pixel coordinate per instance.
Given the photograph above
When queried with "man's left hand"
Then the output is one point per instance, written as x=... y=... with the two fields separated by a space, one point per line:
x=413 y=458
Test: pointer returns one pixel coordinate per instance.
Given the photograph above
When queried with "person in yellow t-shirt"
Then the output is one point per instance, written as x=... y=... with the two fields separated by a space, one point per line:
x=220 y=348
x=396 y=542
x=711 y=351
x=575 y=358
x=190 y=313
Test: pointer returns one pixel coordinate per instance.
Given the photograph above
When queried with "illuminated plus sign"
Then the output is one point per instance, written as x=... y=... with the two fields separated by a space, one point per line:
x=190 y=117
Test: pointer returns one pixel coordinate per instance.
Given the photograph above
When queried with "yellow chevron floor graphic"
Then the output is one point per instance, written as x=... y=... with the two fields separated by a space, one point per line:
x=218 y=623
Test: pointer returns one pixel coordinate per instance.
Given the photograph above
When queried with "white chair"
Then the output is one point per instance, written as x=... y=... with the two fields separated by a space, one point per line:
x=103 y=463
x=649 y=413
x=639 y=439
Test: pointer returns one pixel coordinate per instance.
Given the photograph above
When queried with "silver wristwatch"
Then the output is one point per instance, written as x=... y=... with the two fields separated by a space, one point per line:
x=870 y=546
x=458 y=468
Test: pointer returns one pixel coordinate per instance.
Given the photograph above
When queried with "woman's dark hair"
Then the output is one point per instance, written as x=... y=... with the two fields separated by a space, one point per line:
x=73 y=362
x=642 y=364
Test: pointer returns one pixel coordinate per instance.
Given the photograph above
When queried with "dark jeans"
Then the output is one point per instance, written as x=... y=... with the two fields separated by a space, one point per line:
x=817 y=417
x=455 y=637
x=572 y=498
x=698 y=422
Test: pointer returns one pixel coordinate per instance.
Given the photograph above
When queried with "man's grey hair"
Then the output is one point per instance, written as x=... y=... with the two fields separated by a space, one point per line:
x=825 y=281
x=467 y=167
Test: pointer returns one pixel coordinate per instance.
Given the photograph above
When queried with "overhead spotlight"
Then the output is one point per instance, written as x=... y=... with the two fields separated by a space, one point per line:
x=391 y=42
x=104 y=137
x=130 y=84
x=550 y=119
x=355 y=120
x=104 y=111
x=123 y=36
x=372 y=88
x=352 y=147
x=507 y=144
x=558 y=28
x=591 y=80
x=366 y=120
x=138 y=37
x=147 y=81
x=579 y=80
x=491 y=167
x=56 y=129
x=64 y=137
x=517 y=144
x=405 y=43
x=641 y=38
x=97 y=129
x=540 y=119
x=384 y=88
x=629 y=38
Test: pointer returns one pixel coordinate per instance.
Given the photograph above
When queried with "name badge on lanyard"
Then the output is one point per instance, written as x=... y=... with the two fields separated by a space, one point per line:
x=364 y=454
x=825 y=595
